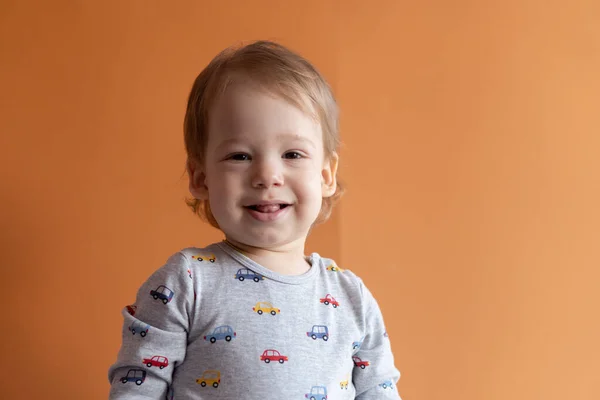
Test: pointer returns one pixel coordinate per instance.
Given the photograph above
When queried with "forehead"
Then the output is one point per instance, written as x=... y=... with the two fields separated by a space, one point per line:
x=245 y=110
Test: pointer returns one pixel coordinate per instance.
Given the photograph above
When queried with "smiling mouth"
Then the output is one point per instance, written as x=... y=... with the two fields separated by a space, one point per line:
x=268 y=208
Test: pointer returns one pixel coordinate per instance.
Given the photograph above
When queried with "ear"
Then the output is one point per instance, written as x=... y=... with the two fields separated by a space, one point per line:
x=197 y=178
x=328 y=175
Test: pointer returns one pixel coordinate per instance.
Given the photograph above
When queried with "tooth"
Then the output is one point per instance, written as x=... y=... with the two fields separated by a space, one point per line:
x=268 y=208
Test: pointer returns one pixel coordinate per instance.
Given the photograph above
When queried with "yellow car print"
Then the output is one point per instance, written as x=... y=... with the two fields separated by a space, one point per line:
x=333 y=267
x=264 y=306
x=344 y=384
x=210 y=377
x=201 y=258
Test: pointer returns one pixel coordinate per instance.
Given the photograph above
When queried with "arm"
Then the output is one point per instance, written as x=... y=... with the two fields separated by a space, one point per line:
x=155 y=335
x=375 y=375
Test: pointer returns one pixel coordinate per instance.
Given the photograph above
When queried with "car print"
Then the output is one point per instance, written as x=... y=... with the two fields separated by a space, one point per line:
x=162 y=292
x=137 y=326
x=344 y=384
x=134 y=375
x=225 y=332
x=210 y=377
x=334 y=268
x=202 y=258
x=156 y=361
x=319 y=332
x=245 y=273
x=189 y=271
x=356 y=345
x=330 y=300
x=265 y=307
x=272 y=355
x=317 y=393
x=131 y=309
x=386 y=384
x=360 y=363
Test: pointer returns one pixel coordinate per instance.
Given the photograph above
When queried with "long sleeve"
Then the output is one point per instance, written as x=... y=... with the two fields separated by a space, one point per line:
x=155 y=331
x=375 y=374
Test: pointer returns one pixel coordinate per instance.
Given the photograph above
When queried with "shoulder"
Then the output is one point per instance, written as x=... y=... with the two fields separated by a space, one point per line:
x=341 y=275
x=346 y=278
x=190 y=256
x=208 y=254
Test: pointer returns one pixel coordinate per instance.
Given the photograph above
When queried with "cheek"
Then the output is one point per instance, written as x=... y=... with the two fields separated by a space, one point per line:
x=310 y=186
x=223 y=182
x=218 y=193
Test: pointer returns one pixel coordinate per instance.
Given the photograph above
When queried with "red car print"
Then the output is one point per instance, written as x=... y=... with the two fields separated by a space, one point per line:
x=272 y=355
x=156 y=361
x=360 y=363
x=330 y=300
x=131 y=309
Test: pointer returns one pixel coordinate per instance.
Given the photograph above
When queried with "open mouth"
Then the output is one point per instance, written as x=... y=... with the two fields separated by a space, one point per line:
x=268 y=208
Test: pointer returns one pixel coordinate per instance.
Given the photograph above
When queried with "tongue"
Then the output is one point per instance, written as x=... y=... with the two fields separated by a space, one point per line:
x=268 y=208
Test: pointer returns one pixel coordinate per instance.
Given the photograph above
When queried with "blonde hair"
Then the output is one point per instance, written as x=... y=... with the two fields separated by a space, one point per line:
x=281 y=72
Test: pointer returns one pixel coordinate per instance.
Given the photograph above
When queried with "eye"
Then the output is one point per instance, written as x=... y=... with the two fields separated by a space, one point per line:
x=239 y=157
x=292 y=155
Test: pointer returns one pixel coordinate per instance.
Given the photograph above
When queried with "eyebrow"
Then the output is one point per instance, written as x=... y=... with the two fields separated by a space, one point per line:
x=281 y=136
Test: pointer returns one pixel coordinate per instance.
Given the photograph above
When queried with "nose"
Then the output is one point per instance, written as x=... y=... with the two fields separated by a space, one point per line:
x=267 y=173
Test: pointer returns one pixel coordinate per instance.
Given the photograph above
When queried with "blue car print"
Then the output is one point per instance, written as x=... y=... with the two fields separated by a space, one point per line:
x=222 y=332
x=163 y=293
x=319 y=332
x=386 y=384
x=137 y=326
x=245 y=273
x=317 y=393
x=134 y=375
x=356 y=345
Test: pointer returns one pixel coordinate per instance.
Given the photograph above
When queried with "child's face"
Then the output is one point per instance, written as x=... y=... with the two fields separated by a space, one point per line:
x=260 y=150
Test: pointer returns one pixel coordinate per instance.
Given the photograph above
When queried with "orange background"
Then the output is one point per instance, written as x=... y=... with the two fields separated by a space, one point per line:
x=471 y=144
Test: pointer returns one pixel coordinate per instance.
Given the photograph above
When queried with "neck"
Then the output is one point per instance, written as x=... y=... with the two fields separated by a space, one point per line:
x=285 y=260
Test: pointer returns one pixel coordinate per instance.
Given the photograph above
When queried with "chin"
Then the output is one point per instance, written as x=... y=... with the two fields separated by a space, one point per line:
x=265 y=239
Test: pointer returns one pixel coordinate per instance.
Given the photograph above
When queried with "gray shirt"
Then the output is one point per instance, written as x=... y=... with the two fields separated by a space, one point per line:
x=213 y=324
